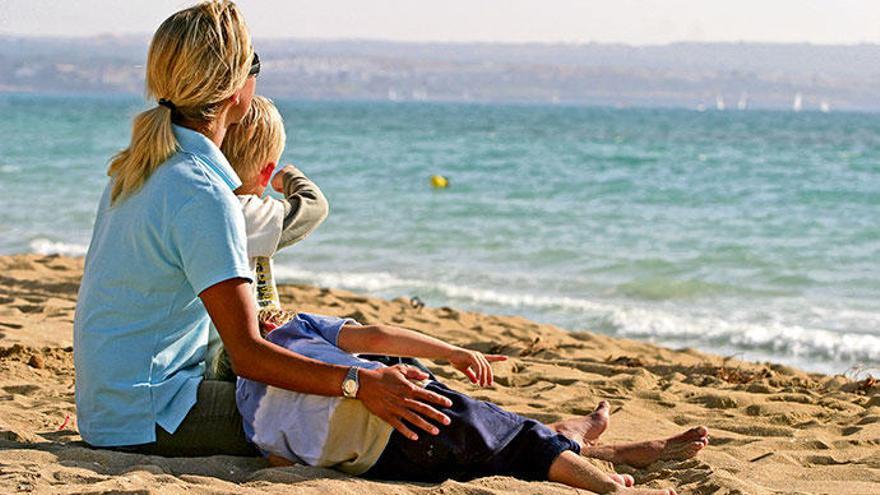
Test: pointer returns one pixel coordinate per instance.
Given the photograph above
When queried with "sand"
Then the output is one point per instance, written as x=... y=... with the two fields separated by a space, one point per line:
x=774 y=429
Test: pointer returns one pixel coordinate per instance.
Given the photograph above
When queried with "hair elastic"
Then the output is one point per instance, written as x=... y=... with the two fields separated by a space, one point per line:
x=167 y=104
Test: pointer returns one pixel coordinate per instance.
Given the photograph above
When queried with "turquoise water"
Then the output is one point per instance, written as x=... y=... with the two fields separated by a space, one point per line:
x=744 y=233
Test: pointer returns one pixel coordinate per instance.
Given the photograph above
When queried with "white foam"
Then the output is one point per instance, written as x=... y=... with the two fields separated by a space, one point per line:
x=773 y=337
x=369 y=281
x=706 y=332
x=382 y=281
x=45 y=246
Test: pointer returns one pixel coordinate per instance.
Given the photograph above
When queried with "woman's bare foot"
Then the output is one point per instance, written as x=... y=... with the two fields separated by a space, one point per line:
x=640 y=454
x=586 y=429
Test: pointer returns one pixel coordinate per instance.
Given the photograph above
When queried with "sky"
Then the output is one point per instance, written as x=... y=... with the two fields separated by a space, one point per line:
x=635 y=22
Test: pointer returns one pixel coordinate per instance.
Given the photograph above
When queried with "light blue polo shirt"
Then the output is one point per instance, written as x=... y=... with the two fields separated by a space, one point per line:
x=141 y=331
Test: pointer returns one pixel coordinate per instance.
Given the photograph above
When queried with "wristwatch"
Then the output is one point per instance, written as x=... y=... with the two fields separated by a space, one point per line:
x=350 y=384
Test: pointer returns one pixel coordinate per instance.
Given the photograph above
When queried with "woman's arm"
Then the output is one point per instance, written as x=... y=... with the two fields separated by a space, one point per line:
x=393 y=341
x=388 y=392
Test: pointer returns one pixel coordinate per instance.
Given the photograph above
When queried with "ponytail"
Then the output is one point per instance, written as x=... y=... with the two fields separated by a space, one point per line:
x=152 y=142
x=198 y=58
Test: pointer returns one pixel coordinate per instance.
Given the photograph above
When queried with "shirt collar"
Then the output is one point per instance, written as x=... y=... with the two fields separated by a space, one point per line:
x=197 y=143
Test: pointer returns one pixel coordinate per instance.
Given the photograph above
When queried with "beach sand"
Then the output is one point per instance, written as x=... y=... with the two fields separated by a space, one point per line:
x=774 y=429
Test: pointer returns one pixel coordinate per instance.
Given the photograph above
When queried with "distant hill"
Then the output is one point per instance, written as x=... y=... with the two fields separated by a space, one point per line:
x=688 y=75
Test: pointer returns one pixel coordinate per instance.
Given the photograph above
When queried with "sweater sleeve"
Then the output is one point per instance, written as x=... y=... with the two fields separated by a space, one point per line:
x=305 y=207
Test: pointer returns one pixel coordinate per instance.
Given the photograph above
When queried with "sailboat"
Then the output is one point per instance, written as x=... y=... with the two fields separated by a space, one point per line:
x=825 y=107
x=743 y=103
x=798 y=104
x=719 y=103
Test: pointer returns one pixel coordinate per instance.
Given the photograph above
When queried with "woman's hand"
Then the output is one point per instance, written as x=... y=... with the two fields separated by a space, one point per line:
x=475 y=365
x=389 y=394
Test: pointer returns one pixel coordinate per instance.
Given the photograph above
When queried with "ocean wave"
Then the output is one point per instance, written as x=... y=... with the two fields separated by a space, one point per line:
x=663 y=288
x=647 y=323
x=45 y=246
x=774 y=338
x=382 y=281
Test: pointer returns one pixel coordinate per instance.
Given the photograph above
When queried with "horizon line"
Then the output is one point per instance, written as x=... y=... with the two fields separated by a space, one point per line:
x=573 y=43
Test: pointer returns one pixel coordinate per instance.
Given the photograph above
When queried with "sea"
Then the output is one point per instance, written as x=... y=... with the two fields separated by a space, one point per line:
x=751 y=234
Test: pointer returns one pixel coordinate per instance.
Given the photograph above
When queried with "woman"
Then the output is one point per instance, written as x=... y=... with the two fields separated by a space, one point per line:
x=168 y=256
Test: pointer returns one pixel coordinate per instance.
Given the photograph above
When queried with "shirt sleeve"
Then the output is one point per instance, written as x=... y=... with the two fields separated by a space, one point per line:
x=208 y=233
x=263 y=219
x=327 y=327
x=305 y=207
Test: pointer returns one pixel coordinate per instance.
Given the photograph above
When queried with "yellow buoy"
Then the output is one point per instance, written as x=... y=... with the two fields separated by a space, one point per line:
x=439 y=182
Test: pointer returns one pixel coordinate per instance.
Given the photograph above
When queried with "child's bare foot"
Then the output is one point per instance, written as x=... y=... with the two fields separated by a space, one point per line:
x=640 y=454
x=575 y=471
x=586 y=429
x=622 y=479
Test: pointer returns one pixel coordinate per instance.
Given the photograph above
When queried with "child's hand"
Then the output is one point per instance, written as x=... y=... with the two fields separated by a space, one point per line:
x=475 y=365
x=278 y=178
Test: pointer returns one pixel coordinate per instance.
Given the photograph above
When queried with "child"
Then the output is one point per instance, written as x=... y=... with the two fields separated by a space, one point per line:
x=481 y=439
x=253 y=148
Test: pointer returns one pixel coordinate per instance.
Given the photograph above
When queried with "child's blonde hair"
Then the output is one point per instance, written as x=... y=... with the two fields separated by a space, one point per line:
x=198 y=58
x=256 y=140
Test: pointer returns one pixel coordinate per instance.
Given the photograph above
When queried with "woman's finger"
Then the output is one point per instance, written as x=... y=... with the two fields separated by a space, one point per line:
x=418 y=421
x=412 y=372
x=402 y=428
x=425 y=410
x=494 y=358
x=421 y=394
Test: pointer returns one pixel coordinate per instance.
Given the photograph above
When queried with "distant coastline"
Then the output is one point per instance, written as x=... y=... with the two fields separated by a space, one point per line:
x=706 y=76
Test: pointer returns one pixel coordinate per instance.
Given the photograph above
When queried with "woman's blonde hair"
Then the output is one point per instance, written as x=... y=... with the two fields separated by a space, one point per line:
x=198 y=58
x=255 y=140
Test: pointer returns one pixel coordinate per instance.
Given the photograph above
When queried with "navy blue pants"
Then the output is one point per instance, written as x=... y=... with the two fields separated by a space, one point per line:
x=482 y=440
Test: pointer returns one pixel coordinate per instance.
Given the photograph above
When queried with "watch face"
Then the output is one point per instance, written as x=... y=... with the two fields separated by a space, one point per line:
x=349 y=387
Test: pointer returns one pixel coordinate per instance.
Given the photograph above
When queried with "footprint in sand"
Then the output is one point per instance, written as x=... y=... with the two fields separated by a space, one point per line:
x=449 y=313
x=21 y=389
x=867 y=420
x=825 y=460
x=850 y=430
x=29 y=308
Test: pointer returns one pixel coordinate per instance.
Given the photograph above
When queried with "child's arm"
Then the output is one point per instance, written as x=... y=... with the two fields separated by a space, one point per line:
x=393 y=341
x=305 y=206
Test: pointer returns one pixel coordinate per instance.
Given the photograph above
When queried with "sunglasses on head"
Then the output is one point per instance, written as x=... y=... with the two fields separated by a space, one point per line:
x=255 y=66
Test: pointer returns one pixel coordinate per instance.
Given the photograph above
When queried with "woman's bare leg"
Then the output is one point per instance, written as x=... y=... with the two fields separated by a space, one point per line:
x=573 y=470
